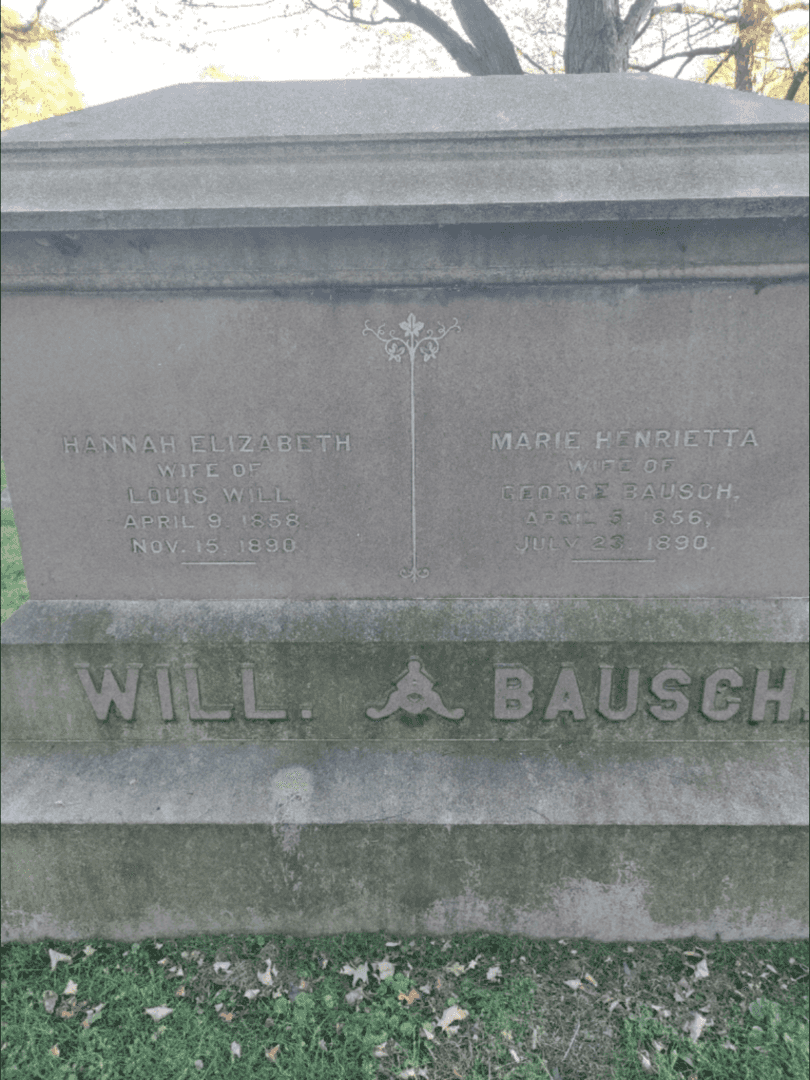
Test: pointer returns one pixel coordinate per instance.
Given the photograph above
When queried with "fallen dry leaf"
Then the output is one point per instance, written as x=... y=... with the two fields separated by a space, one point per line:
x=695 y=1025
x=449 y=1016
x=158 y=1013
x=360 y=972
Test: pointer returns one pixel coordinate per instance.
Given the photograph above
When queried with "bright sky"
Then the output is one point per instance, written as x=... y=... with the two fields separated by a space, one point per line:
x=110 y=60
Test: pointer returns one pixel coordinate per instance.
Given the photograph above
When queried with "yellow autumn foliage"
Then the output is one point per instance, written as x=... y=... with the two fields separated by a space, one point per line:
x=37 y=82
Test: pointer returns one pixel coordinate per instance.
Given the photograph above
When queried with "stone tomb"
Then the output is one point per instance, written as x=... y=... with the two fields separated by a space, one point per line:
x=410 y=477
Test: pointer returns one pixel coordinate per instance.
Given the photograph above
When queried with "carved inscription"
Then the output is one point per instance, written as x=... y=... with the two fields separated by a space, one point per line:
x=609 y=695
x=634 y=496
x=197 y=501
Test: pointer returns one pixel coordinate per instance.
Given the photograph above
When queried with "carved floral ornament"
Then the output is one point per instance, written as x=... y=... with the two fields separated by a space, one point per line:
x=397 y=348
x=414 y=694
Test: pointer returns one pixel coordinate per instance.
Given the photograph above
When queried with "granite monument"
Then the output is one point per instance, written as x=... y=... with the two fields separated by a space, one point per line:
x=411 y=484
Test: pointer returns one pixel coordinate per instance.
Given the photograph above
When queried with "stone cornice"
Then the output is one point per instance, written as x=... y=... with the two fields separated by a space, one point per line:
x=723 y=172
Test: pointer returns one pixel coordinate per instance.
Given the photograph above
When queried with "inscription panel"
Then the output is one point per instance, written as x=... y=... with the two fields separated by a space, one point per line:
x=449 y=692
x=556 y=441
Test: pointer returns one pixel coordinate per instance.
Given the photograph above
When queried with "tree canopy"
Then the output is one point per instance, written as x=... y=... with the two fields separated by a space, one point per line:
x=743 y=44
x=37 y=82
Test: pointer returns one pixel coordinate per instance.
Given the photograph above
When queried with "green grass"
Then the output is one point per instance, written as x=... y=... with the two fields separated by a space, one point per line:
x=356 y=1006
x=14 y=590
x=474 y=1006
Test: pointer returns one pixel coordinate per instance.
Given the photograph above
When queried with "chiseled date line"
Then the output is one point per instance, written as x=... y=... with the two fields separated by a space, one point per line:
x=233 y=544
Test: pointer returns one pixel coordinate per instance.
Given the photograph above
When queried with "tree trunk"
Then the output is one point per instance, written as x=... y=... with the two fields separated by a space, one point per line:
x=756 y=28
x=592 y=37
x=485 y=30
x=597 y=38
x=798 y=79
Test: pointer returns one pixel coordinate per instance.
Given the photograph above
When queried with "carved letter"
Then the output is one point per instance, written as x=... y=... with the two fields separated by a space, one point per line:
x=513 y=692
x=165 y=692
x=110 y=691
x=606 y=689
x=566 y=696
x=763 y=693
x=664 y=693
x=249 y=695
x=711 y=689
x=194 y=708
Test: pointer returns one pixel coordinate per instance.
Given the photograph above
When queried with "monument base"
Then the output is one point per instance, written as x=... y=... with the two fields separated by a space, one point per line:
x=611 y=769
x=607 y=883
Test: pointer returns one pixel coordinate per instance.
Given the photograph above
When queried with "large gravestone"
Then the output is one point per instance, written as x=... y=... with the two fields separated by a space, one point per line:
x=410 y=477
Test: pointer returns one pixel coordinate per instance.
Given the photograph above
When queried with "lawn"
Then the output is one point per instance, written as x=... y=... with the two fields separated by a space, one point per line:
x=355 y=1006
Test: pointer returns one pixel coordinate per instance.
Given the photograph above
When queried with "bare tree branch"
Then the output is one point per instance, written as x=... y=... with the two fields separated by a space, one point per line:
x=91 y=11
x=464 y=54
x=56 y=30
x=491 y=51
x=351 y=17
x=529 y=60
x=632 y=20
x=683 y=9
x=715 y=69
x=194 y=6
x=28 y=27
x=707 y=50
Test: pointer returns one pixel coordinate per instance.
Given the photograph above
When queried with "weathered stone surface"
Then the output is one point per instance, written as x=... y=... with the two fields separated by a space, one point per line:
x=398 y=151
x=611 y=883
x=307 y=735
x=311 y=110
x=621 y=440
x=517 y=637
